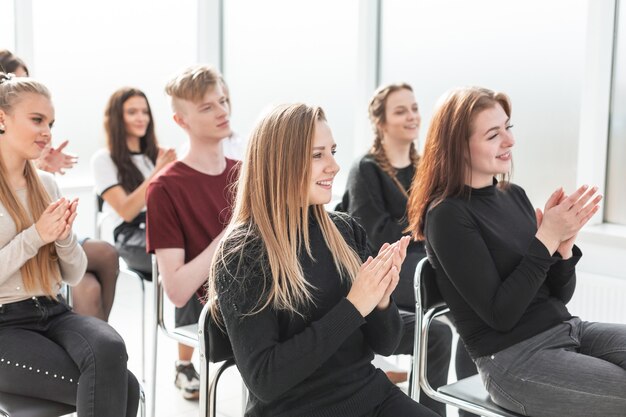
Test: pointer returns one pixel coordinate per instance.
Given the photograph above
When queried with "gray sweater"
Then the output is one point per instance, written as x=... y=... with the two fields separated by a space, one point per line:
x=17 y=248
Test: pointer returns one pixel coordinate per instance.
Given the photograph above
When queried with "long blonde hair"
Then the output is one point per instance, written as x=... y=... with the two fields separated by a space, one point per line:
x=42 y=270
x=377 y=110
x=272 y=206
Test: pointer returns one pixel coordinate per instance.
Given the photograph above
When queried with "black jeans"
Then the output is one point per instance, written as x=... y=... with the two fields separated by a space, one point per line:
x=48 y=351
x=398 y=404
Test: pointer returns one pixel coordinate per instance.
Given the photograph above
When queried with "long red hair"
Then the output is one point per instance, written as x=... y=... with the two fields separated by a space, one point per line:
x=443 y=168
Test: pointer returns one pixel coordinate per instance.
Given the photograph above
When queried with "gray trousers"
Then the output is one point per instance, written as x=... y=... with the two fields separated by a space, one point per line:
x=575 y=369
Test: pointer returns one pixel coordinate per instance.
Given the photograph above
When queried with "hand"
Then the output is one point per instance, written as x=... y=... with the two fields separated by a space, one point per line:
x=55 y=160
x=164 y=157
x=565 y=215
x=403 y=244
x=70 y=217
x=53 y=221
x=565 y=248
x=372 y=281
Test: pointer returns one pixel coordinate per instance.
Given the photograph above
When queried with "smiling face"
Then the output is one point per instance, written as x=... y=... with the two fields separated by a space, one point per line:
x=27 y=126
x=323 y=165
x=136 y=117
x=490 y=146
x=402 y=117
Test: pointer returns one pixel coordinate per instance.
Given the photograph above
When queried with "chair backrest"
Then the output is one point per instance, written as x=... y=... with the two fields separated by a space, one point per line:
x=431 y=297
x=216 y=341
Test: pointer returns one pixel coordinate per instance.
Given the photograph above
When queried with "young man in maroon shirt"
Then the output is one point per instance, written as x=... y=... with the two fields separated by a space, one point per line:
x=189 y=203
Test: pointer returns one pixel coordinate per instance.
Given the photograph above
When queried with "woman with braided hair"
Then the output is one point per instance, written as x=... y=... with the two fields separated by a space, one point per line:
x=376 y=195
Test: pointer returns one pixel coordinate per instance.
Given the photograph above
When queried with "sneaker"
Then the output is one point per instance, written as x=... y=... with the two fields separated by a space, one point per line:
x=187 y=381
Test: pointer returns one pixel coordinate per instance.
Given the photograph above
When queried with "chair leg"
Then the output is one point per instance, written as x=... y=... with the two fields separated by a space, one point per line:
x=155 y=337
x=142 y=401
x=143 y=329
x=244 y=397
x=213 y=387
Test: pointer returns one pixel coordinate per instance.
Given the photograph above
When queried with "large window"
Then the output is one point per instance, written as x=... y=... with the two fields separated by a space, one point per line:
x=84 y=51
x=7 y=25
x=616 y=161
x=532 y=50
x=284 y=51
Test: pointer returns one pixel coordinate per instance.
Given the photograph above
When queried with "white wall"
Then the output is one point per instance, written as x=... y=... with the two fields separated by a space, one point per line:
x=7 y=26
x=84 y=51
x=284 y=51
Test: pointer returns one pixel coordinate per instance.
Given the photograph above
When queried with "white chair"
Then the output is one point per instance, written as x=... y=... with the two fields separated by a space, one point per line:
x=187 y=335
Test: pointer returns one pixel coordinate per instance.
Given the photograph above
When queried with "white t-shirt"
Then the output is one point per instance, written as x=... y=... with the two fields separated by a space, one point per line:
x=105 y=176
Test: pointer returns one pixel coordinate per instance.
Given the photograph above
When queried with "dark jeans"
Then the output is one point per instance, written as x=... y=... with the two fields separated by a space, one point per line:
x=398 y=404
x=574 y=369
x=48 y=351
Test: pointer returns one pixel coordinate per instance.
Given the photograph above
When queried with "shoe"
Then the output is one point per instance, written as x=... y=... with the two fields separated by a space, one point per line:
x=397 y=377
x=187 y=381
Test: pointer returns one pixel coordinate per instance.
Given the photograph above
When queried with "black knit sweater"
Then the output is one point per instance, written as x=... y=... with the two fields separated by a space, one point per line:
x=376 y=202
x=499 y=280
x=318 y=364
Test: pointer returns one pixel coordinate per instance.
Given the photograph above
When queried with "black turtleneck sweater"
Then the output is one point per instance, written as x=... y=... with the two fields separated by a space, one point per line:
x=499 y=280
x=318 y=364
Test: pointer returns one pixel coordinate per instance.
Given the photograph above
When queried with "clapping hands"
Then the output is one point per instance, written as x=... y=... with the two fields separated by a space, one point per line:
x=55 y=223
x=378 y=277
x=564 y=216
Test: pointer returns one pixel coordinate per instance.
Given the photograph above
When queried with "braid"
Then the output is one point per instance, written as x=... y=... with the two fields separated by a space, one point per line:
x=378 y=152
x=415 y=158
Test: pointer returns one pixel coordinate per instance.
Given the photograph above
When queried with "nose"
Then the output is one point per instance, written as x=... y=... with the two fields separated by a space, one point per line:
x=332 y=167
x=509 y=140
x=223 y=110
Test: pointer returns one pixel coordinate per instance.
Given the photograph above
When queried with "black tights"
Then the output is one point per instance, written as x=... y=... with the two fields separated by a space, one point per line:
x=93 y=296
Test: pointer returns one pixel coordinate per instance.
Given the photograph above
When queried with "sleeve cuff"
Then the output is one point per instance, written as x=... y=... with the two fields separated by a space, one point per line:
x=566 y=267
x=34 y=238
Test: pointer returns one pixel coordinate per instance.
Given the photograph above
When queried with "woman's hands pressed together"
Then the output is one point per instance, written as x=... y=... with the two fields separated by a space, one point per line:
x=564 y=216
x=378 y=277
x=55 y=223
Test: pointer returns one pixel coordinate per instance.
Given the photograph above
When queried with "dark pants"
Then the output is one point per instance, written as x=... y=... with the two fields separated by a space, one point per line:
x=189 y=313
x=575 y=369
x=398 y=404
x=48 y=351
